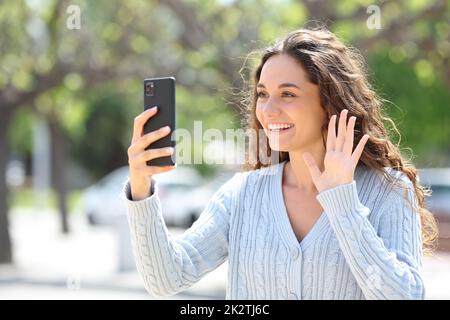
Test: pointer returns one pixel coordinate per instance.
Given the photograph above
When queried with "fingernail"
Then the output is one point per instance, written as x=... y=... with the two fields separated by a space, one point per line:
x=170 y=150
x=153 y=108
x=166 y=129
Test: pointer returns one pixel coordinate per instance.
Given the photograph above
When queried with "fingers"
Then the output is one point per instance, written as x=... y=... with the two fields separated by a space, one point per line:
x=341 y=130
x=151 y=170
x=344 y=140
x=359 y=149
x=331 y=138
x=348 y=144
x=140 y=121
x=140 y=159
x=146 y=140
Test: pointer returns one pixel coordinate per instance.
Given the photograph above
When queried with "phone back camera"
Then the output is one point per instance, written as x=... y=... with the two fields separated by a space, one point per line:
x=149 y=88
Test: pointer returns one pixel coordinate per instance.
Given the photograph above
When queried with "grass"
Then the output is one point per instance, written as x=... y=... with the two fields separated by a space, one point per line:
x=27 y=198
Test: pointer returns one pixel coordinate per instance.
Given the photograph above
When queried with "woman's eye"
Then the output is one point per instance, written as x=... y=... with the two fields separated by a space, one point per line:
x=259 y=94
x=286 y=94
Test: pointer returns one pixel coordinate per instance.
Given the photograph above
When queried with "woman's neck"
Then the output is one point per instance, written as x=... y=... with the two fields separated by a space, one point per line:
x=296 y=172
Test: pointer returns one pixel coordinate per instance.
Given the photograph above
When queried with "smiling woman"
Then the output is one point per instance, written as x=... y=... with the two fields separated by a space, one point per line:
x=304 y=80
x=327 y=219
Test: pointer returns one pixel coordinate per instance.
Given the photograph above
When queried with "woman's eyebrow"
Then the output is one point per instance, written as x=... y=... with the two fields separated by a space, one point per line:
x=283 y=85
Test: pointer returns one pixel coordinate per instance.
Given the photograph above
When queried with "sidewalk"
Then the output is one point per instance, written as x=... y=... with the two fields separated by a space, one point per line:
x=84 y=265
x=81 y=265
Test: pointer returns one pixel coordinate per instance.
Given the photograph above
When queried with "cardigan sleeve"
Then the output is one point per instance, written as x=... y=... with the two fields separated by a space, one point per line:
x=387 y=264
x=171 y=264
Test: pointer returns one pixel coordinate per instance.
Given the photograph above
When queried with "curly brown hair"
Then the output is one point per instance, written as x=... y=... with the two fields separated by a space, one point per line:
x=340 y=73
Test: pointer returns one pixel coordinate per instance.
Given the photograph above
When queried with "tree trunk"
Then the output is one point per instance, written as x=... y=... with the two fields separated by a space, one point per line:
x=58 y=172
x=5 y=240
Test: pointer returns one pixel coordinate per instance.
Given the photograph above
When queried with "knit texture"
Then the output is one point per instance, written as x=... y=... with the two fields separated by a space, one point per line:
x=365 y=245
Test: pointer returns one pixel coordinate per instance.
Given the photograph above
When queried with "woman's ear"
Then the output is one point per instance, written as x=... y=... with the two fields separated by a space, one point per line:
x=325 y=125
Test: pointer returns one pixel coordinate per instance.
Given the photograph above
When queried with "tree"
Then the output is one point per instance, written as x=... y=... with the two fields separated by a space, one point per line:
x=60 y=73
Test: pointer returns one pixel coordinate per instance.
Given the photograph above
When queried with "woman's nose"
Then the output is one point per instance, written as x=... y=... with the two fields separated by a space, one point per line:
x=270 y=109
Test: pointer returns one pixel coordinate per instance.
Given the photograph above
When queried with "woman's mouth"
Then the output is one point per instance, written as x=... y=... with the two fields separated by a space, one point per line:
x=280 y=128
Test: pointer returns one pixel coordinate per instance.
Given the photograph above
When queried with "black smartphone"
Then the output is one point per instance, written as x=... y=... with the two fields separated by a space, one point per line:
x=160 y=92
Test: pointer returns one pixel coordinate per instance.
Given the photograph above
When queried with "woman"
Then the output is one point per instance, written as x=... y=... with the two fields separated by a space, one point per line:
x=340 y=216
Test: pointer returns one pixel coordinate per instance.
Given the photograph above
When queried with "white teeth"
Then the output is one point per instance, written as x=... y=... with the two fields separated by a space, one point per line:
x=279 y=126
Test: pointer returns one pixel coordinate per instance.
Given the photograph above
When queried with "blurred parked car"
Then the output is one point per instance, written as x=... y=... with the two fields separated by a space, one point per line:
x=195 y=201
x=102 y=203
x=438 y=180
x=173 y=186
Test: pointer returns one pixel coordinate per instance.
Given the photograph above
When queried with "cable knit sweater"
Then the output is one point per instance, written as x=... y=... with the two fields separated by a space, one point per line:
x=365 y=245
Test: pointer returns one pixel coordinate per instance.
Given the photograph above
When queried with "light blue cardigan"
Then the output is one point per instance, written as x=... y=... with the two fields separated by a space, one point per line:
x=365 y=245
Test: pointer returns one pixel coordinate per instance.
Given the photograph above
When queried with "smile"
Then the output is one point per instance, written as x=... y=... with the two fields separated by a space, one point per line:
x=279 y=127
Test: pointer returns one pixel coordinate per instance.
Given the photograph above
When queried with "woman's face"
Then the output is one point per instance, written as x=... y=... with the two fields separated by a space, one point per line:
x=286 y=97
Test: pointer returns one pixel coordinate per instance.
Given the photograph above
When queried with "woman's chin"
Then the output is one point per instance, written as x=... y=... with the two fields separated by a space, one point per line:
x=280 y=148
x=280 y=145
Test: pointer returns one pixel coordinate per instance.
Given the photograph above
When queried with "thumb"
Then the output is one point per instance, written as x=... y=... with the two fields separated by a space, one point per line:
x=313 y=169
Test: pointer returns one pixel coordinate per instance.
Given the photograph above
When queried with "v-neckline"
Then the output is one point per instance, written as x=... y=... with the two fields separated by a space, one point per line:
x=283 y=217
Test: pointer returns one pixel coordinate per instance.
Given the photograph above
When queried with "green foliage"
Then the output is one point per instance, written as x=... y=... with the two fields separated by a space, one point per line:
x=100 y=67
x=20 y=132
x=420 y=108
x=99 y=144
x=26 y=198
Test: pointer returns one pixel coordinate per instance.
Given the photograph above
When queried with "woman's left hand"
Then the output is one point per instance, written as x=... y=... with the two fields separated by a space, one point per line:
x=339 y=161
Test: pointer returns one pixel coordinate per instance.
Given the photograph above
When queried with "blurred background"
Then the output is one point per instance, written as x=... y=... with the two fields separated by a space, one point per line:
x=71 y=84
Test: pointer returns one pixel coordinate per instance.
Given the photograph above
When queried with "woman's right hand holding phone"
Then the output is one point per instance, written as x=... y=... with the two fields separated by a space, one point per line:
x=140 y=172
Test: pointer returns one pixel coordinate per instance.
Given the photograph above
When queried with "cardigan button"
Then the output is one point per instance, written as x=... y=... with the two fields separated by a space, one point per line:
x=295 y=253
x=292 y=296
